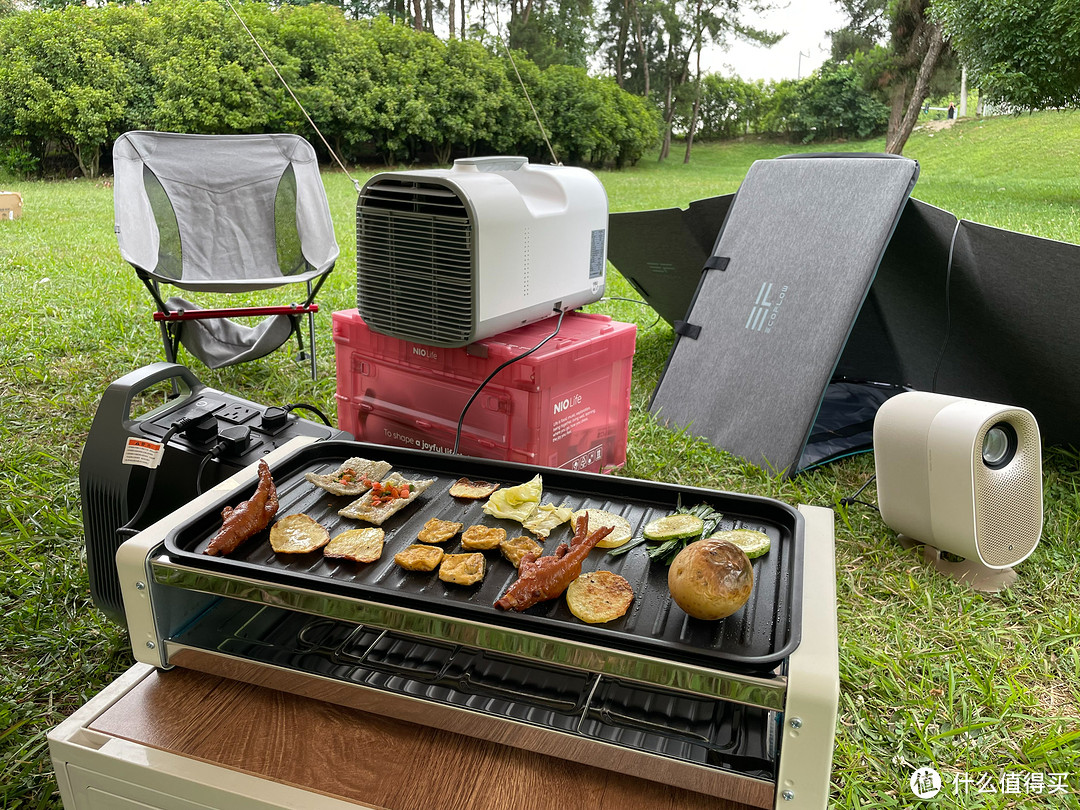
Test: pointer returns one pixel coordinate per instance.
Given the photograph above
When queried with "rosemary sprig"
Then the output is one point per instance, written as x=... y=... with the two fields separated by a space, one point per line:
x=625 y=547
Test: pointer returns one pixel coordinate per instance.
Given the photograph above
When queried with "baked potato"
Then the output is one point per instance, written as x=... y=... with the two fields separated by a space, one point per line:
x=711 y=579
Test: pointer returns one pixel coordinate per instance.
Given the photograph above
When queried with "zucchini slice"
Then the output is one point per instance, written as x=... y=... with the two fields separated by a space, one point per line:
x=752 y=542
x=674 y=527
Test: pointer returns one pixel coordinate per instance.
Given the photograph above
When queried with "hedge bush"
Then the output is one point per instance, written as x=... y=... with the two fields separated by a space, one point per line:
x=78 y=77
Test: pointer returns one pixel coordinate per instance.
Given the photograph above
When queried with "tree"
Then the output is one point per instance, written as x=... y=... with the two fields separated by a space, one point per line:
x=781 y=115
x=80 y=76
x=639 y=128
x=666 y=35
x=625 y=46
x=648 y=46
x=468 y=90
x=867 y=25
x=898 y=50
x=1025 y=53
x=59 y=81
x=914 y=63
x=551 y=32
x=730 y=107
x=208 y=76
x=918 y=44
x=833 y=104
x=904 y=69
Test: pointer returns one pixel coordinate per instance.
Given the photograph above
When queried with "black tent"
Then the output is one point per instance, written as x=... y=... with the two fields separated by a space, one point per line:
x=884 y=293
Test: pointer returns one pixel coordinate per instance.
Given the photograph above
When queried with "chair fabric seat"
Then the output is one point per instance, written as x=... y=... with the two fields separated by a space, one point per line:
x=224 y=342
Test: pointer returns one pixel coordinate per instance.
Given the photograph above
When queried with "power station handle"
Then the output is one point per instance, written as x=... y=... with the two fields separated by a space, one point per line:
x=119 y=396
x=491 y=163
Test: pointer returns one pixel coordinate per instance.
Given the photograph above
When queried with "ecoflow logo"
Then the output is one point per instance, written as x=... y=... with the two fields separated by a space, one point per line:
x=765 y=311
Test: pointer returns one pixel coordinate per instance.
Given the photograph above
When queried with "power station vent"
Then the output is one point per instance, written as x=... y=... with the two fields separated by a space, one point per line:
x=414 y=258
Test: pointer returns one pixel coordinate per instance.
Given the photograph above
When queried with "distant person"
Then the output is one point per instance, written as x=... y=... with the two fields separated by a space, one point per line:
x=952 y=111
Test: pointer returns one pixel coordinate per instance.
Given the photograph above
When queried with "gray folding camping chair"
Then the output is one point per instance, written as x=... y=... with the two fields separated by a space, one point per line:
x=224 y=214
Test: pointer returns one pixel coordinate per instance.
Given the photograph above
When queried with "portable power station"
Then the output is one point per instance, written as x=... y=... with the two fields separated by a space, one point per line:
x=137 y=468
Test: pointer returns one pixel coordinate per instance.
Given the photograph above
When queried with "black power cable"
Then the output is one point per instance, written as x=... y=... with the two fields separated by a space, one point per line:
x=234 y=439
x=305 y=407
x=491 y=376
x=633 y=301
x=127 y=529
x=948 y=308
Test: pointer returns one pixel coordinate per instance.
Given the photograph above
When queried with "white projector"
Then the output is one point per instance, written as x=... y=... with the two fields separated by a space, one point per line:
x=960 y=475
x=447 y=257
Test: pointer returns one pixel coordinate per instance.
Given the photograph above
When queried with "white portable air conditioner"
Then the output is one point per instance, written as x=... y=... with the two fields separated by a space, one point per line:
x=446 y=257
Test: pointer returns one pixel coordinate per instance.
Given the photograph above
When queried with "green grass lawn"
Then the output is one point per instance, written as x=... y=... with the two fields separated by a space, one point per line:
x=932 y=673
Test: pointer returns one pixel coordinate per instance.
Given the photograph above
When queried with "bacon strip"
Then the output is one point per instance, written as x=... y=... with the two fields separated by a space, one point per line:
x=544 y=578
x=248 y=518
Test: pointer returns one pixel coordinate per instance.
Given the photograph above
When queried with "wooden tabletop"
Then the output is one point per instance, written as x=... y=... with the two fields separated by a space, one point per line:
x=366 y=758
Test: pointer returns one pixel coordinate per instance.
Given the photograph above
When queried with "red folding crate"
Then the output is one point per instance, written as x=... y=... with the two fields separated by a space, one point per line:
x=565 y=405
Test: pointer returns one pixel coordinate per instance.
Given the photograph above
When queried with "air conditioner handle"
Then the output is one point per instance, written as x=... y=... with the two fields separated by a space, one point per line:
x=491 y=163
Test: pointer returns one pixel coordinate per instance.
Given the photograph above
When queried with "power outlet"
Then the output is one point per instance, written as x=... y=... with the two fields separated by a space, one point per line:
x=236 y=413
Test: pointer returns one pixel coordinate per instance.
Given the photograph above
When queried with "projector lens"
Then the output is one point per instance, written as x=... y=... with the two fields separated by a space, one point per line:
x=999 y=445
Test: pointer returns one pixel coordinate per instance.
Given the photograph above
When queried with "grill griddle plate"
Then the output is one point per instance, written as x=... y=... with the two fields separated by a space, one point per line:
x=756 y=638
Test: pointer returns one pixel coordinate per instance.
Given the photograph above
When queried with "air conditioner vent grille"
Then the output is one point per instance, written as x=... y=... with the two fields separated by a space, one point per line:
x=414 y=258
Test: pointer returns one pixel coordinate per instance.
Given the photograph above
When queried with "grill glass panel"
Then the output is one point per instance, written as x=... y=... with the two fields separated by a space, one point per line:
x=414 y=258
x=694 y=729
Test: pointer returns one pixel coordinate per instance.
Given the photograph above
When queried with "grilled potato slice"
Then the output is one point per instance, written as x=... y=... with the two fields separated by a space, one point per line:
x=438 y=531
x=599 y=596
x=462 y=569
x=515 y=549
x=359 y=545
x=482 y=538
x=298 y=534
x=419 y=558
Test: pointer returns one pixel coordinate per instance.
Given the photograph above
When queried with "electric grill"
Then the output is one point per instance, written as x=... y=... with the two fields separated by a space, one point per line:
x=742 y=709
